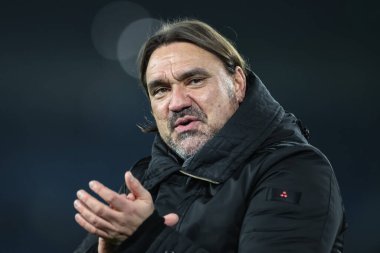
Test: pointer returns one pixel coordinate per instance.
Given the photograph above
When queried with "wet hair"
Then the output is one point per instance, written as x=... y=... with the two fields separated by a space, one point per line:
x=195 y=32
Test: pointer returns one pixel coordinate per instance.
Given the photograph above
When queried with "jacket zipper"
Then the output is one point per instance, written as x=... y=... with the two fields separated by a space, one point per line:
x=200 y=178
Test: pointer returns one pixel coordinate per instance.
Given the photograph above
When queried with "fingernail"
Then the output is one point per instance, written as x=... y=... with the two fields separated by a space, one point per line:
x=76 y=203
x=80 y=194
x=91 y=184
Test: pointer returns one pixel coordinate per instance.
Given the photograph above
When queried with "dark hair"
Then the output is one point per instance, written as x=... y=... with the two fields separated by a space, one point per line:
x=197 y=33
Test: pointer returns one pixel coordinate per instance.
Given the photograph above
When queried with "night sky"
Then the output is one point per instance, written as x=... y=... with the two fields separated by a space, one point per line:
x=69 y=103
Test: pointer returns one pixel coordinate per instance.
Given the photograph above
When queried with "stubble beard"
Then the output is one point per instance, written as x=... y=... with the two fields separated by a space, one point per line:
x=188 y=143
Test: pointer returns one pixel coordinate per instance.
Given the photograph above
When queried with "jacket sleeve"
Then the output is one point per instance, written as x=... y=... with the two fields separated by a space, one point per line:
x=168 y=241
x=153 y=236
x=295 y=207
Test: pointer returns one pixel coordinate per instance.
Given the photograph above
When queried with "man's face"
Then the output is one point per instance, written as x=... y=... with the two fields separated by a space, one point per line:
x=192 y=96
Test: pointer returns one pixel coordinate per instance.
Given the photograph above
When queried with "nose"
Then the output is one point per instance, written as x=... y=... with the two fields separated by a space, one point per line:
x=179 y=99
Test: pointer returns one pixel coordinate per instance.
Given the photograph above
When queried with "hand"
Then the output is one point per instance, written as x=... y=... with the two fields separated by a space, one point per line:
x=104 y=247
x=120 y=219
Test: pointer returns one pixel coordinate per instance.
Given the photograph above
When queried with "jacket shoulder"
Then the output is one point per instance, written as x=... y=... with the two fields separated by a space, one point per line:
x=300 y=153
x=139 y=168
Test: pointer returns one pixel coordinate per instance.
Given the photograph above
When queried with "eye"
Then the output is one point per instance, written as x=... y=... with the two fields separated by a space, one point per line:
x=196 y=81
x=160 y=91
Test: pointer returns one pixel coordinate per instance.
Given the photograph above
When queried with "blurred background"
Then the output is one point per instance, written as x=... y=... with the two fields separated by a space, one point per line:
x=69 y=101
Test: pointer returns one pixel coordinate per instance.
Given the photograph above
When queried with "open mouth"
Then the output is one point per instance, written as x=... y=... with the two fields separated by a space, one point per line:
x=186 y=123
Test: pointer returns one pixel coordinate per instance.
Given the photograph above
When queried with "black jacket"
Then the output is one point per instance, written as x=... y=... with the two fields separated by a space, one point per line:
x=257 y=186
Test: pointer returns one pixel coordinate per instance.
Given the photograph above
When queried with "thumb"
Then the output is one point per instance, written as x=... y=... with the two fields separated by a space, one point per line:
x=105 y=247
x=136 y=188
x=101 y=245
x=171 y=219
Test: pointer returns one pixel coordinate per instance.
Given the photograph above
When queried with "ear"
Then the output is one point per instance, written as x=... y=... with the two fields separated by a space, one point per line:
x=240 y=83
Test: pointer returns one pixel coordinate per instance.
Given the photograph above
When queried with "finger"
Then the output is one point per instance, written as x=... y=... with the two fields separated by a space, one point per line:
x=131 y=197
x=171 y=219
x=136 y=188
x=101 y=245
x=115 y=200
x=107 y=246
x=104 y=192
x=90 y=228
x=95 y=206
x=92 y=218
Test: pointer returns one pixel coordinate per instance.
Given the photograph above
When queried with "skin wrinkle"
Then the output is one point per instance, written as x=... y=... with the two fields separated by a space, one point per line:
x=185 y=80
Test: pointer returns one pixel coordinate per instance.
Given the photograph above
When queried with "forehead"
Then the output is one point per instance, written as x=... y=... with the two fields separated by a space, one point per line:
x=178 y=57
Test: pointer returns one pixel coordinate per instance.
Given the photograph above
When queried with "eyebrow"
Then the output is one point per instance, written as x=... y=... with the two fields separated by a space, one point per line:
x=181 y=77
x=193 y=72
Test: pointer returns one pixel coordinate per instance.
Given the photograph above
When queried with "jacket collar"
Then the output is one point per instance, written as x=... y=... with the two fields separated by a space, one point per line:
x=254 y=121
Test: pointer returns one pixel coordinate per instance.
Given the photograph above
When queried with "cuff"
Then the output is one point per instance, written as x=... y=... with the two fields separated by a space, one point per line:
x=145 y=235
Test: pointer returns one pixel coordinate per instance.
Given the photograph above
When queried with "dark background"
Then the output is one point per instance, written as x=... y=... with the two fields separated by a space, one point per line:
x=68 y=115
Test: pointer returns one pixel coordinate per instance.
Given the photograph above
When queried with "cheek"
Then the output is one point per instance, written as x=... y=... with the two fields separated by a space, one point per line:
x=158 y=111
x=220 y=109
x=161 y=123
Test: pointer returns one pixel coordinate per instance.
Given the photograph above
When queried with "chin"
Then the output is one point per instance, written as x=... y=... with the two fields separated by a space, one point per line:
x=190 y=145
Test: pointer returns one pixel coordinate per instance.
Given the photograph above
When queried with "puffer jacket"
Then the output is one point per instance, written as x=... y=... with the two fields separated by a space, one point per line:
x=257 y=186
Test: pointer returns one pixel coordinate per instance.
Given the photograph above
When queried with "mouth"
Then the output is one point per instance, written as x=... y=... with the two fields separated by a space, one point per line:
x=186 y=123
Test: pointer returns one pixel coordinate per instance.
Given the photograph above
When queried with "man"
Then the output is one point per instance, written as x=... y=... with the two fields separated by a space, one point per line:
x=230 y=170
